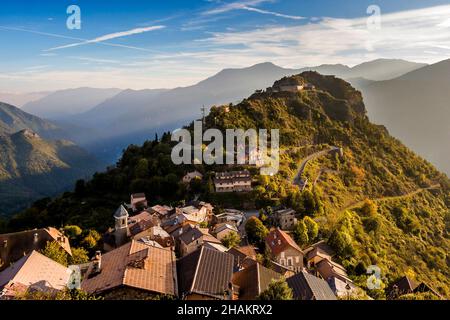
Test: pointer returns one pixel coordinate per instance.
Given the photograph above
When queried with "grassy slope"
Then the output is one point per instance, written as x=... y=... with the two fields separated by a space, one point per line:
x=375 y=166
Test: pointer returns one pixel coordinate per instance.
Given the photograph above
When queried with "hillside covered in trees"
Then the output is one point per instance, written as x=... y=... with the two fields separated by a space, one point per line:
x=377 y=203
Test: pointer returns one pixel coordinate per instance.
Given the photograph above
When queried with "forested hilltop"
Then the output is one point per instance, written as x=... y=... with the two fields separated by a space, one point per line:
x=377 y=203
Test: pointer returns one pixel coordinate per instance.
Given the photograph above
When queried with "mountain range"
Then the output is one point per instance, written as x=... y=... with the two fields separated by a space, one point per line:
x=32 y=163
x=63 y=103
x=132 y=116
x=105 y=121
x=20 y=99
x=415 y=108
x=375 y=201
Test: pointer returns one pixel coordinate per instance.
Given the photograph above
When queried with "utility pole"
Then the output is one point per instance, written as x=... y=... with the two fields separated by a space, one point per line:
x=203 y=109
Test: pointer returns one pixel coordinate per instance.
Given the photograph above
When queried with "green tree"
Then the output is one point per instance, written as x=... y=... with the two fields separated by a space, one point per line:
x=67 y=294
x=91 y=239
x=80 y=188
x=256 y=231
x=309 y=202
x=342 y=242
x=372 y=224
x=196 y=185
x=277 y=290
x=2 y=225
x=79 y=256
x=419 y=296
x=231 y=240
x=54 y=251
x=72 y=232
x=369 y=209
x=141 y=170
x=301 y=233
x=312 y=228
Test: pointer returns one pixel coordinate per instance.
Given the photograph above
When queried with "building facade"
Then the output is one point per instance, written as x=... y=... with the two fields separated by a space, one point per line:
x=233 y=181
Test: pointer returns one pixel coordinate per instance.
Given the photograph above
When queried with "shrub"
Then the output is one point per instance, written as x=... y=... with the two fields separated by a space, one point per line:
x=277 y=290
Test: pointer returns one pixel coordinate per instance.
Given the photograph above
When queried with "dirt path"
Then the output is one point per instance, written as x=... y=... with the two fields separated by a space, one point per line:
x=407 y=195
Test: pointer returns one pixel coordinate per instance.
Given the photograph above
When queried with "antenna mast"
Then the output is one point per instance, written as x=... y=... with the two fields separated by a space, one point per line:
x=203 y=114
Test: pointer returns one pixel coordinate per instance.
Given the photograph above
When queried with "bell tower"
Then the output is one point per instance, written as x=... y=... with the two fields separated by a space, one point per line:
x=121 y=225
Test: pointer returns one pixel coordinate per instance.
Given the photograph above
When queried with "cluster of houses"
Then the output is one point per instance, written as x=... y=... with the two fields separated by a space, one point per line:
x=228 y=181
x=233 y=181
x=161 y=250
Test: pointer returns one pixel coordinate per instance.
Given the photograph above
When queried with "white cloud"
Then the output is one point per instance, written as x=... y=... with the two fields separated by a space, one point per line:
x=54 y=35
x=95 y=60
x=416 y=35
x=110 y=36
x=249 y=5
x=234 y=6
x=405 y=34
x=276 y=14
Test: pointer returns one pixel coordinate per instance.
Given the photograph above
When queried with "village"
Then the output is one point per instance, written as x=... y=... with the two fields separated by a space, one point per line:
x=187 y=252
x=193 y=251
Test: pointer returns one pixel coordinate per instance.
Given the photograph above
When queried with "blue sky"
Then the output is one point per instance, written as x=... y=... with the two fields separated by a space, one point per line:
x=149 y=44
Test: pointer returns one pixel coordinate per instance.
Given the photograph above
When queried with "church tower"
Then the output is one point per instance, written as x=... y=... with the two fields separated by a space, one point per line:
x=121 y=225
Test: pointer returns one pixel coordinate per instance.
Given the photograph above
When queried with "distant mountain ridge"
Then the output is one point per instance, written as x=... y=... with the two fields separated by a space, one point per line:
x=132 y=116
x=20 y=99
x=13 y=119
x=415 y=108
x=63 y=103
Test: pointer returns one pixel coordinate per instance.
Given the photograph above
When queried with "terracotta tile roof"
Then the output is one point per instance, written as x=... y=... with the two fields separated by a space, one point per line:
x=37 y=271
x=405 y=285
x=317 y=253
x=319 y=248
x=136 y=265
x=280 y=268
x=254 y=280
x=249 y=251
x=190 y=236
x=338 y=286
x=197 y=233
x=207 y=237
x=141 y=222
x=242 y=254
x=223 y=226
x=216 y=246
x=206 y=272
x=161 y=210
x=11 y=290
x=278 y=241
x=14 y=246
x=336 y=269
x=305 y=286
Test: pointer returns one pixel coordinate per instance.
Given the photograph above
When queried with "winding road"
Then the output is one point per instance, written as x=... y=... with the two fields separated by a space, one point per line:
x=298 y=177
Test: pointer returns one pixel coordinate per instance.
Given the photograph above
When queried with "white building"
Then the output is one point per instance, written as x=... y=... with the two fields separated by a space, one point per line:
x=233 y=181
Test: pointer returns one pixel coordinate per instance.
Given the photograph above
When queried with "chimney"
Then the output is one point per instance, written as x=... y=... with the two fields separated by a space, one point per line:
x=97 y=262
x=5 y=243
x=35 y=237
